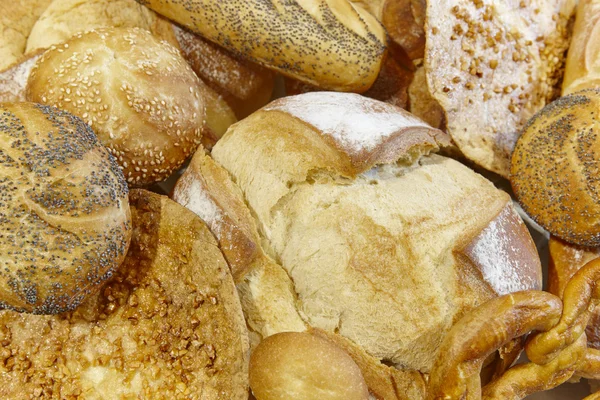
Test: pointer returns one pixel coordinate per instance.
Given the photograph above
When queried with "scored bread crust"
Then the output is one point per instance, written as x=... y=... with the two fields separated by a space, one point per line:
x=314 y=198
x=327 y=43
x=491 y=65
x=167 y=326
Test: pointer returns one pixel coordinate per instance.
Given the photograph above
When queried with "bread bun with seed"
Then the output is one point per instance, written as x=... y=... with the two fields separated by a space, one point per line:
x=138 y=94
x=554 y=171
x=66 y=223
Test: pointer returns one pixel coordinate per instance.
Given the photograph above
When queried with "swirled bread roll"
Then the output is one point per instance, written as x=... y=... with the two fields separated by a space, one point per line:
x=327 y=43
x=554 y=168
x=66 y=223
x=383 y=243
x=491 y=65
x=138 y=94
x=65 y=18
x=16 y=21
x=167 y=326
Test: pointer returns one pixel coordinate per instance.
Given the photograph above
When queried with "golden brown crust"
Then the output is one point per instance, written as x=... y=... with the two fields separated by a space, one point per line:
x=16 y=21
x=65 y=217
x=168 y=326
x=554 y=173
x=327 y=43
x=582 y=70
x=293 y=365
x=245 y=86
x=404 y=21
x=138 y=94
x=491 y=65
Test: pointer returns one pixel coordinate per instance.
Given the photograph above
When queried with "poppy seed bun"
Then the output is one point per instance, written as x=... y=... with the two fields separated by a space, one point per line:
x=555 y=168
x=65 y=217
x=294 y=365
x=138 y=94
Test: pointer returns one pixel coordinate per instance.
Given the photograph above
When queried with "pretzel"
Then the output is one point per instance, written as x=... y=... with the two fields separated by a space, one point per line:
x=593 y=396
x=589 y=366
x=455 y=374
x=579 y=295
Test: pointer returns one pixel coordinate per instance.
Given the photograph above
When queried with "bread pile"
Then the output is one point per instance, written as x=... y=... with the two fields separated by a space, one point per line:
x=317 y=244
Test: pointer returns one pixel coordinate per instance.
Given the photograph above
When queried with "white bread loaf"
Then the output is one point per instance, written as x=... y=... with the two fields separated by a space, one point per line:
x=66 y=223
x=383 y=243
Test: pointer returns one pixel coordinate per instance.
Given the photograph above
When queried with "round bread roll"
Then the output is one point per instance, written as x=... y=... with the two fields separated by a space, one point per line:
x=65 y=18
x=138 y=94
x=377 y=239
x=66 y=223
x=294 y=365
x=554 y=171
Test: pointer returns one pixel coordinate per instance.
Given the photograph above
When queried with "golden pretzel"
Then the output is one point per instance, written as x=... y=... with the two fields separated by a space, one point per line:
x=455 y=374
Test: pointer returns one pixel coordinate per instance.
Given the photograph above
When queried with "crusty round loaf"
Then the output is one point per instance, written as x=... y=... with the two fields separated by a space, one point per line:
x=168 y=326
x=65 y=18
x=554 y=171
x=380 y=241
x=293 y=365
x=66 y=223
x=138 y=94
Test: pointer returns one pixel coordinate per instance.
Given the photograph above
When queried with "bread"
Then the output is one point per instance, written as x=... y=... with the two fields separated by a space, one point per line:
x=565 y=260
x=326 y=43
x=492 y=65
x=13 y=80
x=321 y=174
x=16 y=21
x=65 y=18
x=292 y=365
x=422 y=104
x=582 y=70
x=245 y=86
x=66 y=223
x=138 y=94
x=554 y=171
x=167 y=326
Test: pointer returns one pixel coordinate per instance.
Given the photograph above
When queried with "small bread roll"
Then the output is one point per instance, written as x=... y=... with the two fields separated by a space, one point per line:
x=66 y=223
x=16 y=21
x=293 y=365
x=65 y=18
x=555 y=168
x=138 y=94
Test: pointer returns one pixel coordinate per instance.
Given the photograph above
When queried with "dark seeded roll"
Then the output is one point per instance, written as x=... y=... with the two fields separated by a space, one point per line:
x=64 y=215
x=555 y=168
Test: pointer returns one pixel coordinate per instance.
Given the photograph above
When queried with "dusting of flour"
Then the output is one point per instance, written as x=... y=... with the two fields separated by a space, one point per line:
x=498 y=258
x=196 y=199
x=355 y=122
x=14 y=80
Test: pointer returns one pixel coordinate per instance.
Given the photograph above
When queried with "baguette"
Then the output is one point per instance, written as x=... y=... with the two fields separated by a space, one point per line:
x=326 y=43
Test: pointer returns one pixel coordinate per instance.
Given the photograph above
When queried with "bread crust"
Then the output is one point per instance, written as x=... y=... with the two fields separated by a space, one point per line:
x=327 y=43
x=167 y=326
x=492 y=65
x=554 y=172
x=66 y=221
x=138 y=94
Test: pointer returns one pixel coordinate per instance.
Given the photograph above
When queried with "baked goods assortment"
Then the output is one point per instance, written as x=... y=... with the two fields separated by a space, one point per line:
x=317 y=244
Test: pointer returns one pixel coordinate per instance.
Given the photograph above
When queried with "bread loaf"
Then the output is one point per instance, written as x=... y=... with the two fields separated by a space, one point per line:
x=65 y=18
x=554 y=168
x=292 y=365
x=326 y=43
x=16 y=21
x=13 y=80
x=583 y=61
x=138 y=94
x=332 y=168
x=168 y=325
x=492 y=65
x=65 y=217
